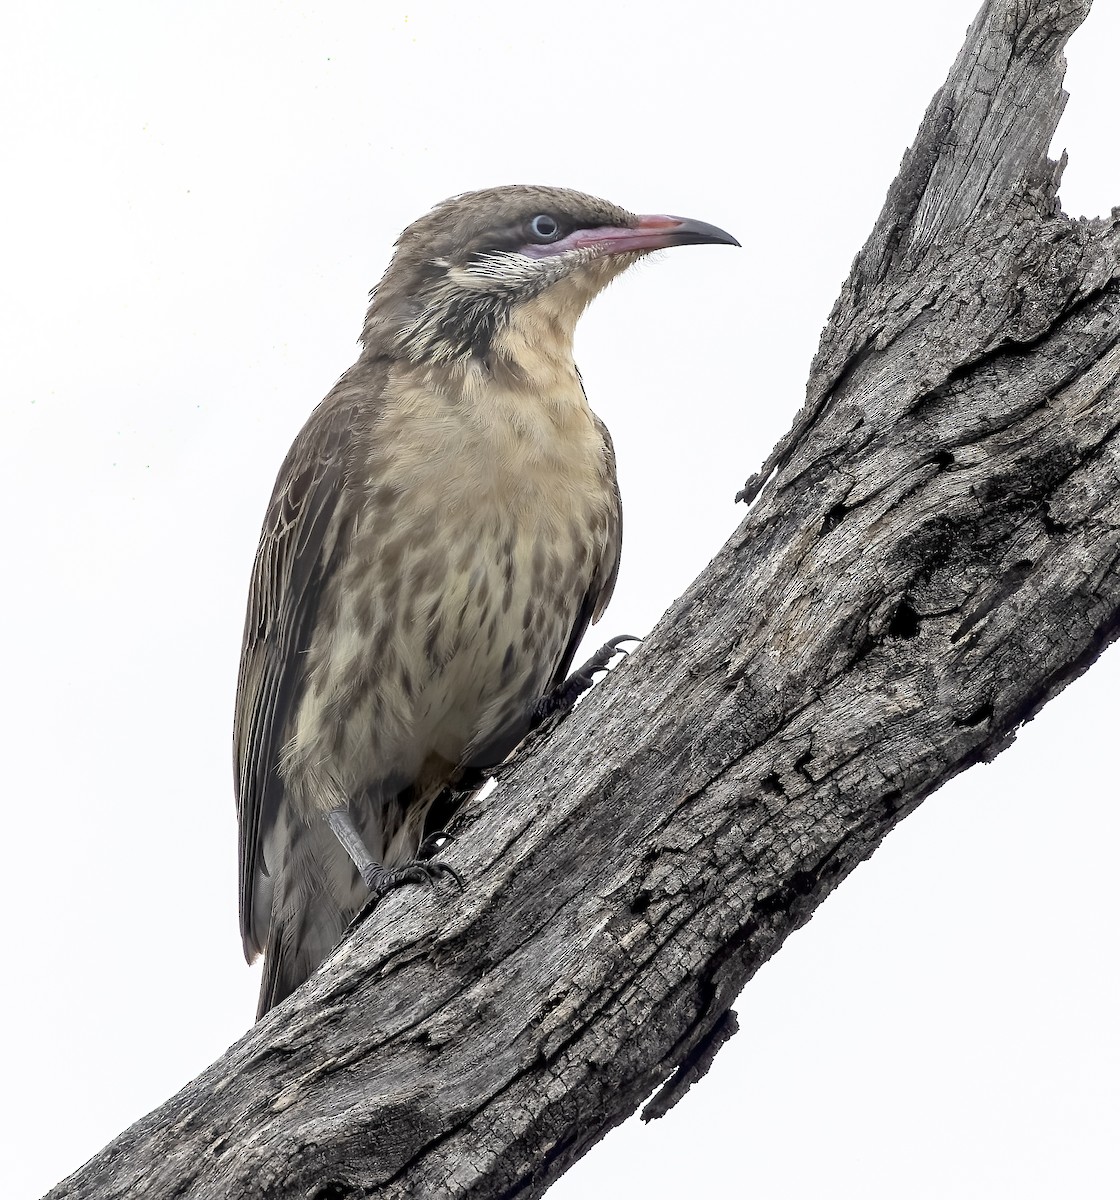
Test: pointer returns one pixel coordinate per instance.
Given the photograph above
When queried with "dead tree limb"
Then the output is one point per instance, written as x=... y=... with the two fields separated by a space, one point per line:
x=931 y=554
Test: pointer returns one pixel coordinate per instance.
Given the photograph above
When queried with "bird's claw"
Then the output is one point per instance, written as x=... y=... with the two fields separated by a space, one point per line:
x=601 y=659
x=418 y=871
x=562 y=697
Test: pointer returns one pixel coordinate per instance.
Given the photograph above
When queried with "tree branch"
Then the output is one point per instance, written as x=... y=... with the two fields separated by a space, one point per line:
x=932 y=553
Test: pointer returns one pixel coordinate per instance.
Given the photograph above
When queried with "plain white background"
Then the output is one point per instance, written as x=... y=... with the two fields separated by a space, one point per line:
x=196 y=201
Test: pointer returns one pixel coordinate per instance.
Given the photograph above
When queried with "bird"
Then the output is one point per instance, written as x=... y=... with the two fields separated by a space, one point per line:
x=440 y=535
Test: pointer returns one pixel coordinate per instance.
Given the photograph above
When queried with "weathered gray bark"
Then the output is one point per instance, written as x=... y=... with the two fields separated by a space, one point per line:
x=934 y=555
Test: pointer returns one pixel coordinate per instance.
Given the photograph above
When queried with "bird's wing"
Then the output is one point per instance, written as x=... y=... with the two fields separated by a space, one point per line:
x=297 y=554
x=603 y=581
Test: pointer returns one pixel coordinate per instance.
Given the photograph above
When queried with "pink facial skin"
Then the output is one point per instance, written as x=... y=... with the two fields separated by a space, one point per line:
x=650 y=233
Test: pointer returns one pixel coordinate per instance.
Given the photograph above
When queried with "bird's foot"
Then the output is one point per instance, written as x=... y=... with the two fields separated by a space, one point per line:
x=420 y=870
x=564 y=695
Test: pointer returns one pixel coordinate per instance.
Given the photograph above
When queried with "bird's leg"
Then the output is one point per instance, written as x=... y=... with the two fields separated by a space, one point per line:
x=377 y=878
x=343 y=827
x=564 y=695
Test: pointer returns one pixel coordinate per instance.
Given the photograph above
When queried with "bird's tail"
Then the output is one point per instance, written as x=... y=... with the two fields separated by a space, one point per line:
x=317 y=893
x=297 y=943
x=279 y=977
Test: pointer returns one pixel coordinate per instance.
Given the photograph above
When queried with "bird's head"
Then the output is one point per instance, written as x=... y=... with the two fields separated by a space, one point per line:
x=487 y=270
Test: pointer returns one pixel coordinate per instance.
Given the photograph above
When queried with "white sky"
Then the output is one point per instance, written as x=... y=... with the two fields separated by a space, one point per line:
x=197 y=200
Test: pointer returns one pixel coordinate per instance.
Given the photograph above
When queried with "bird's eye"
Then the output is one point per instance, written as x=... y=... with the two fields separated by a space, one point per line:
x=544 y=228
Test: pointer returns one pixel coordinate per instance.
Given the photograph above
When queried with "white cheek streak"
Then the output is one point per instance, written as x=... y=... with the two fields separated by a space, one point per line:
x=511 y=269
x=501 y=269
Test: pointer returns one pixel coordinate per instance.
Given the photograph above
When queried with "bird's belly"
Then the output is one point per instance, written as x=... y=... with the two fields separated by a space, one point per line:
x=484 y=644
x=441 y=651
x=500 y=630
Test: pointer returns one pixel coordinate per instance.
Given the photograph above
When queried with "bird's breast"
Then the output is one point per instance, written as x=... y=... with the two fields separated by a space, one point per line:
x=523 y=454
x=484 y=515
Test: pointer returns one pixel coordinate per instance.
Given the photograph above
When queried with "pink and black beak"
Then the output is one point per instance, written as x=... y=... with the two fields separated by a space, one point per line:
x=659 y=233
x=648 y=233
